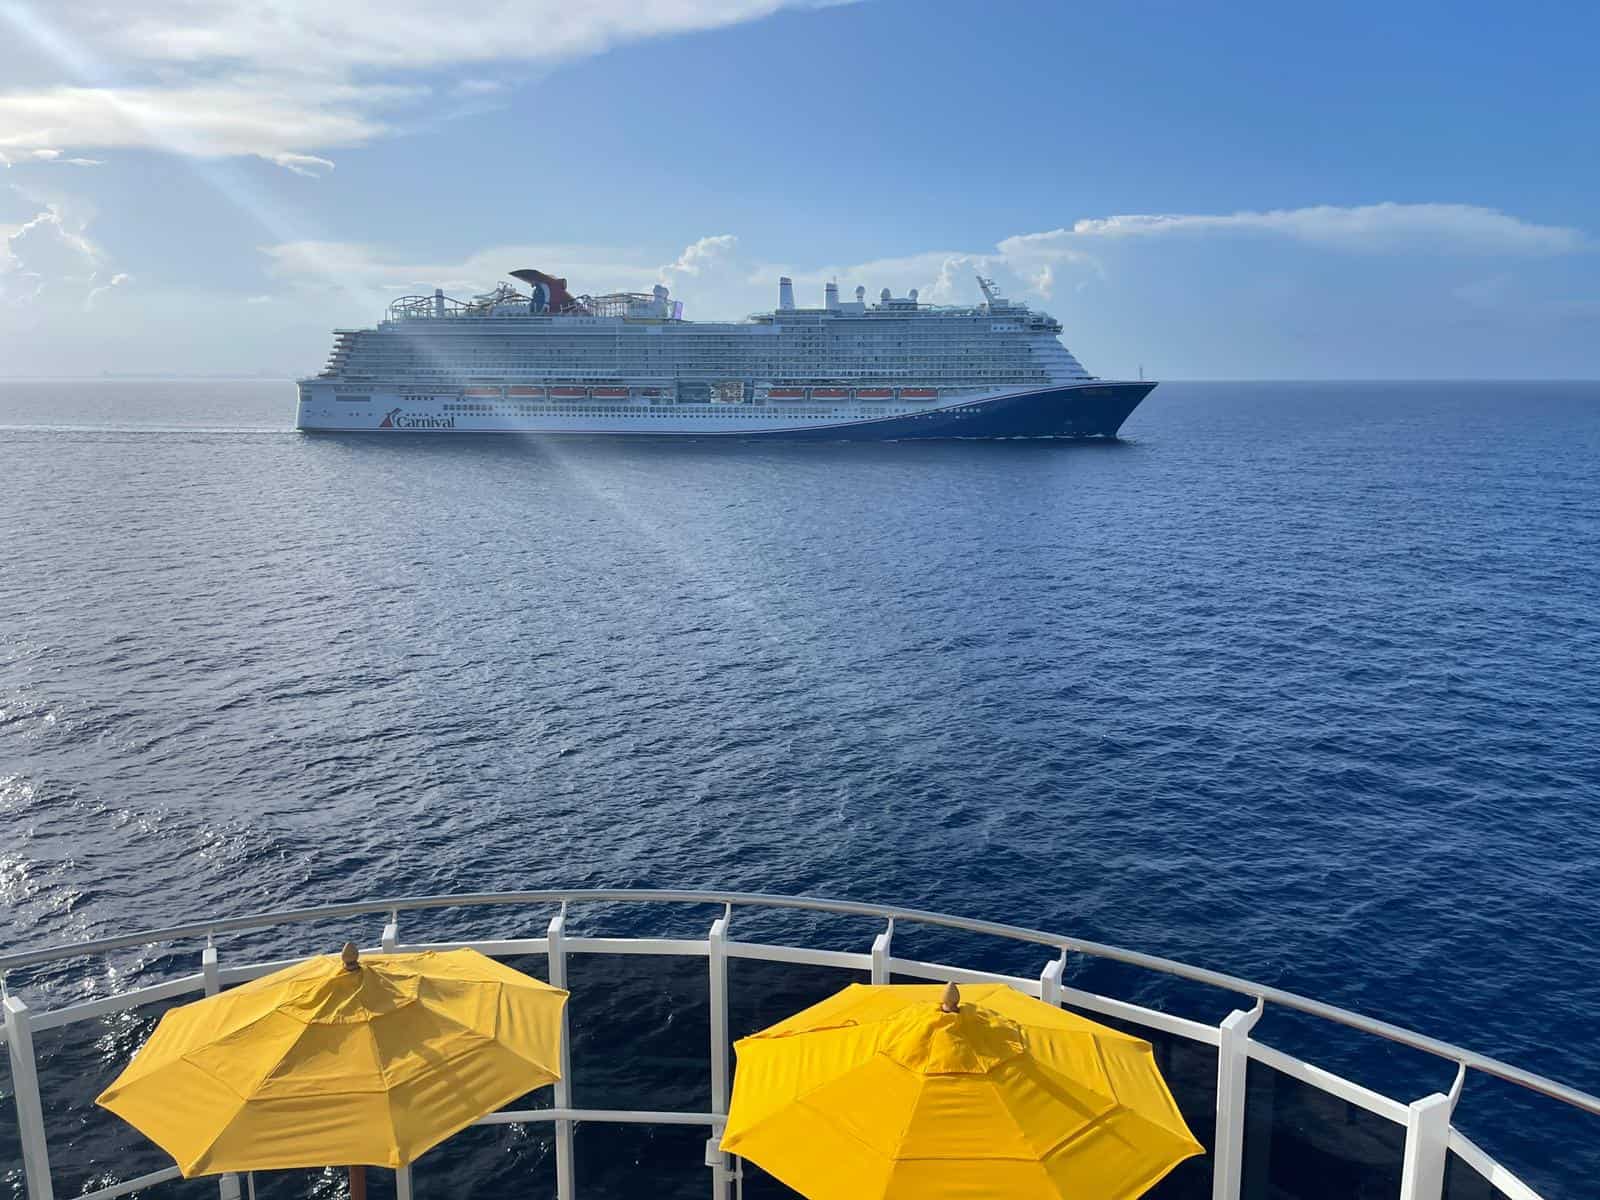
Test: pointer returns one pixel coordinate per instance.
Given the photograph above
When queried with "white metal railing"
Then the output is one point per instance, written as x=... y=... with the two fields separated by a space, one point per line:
x=1430 y=1137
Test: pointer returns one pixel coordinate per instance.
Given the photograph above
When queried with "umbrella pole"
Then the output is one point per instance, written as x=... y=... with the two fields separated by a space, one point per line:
x=351 y=958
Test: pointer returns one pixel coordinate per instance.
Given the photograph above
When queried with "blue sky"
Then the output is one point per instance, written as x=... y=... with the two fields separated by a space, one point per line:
x=1228 y=191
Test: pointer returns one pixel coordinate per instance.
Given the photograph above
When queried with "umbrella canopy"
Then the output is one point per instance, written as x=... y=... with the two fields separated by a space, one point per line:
x=887 y=1092
x=337 y=1061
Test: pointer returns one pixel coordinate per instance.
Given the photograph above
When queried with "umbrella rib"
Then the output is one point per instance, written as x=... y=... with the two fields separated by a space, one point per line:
x=1100 y=1119
x=129 y=1077
x=388 y=1095
x=218 y=1135
x=911 y=1112
x=1082 y=1131
x=260 y=1079
x=804 y=1097
x=801 y=1098
x=492 y=1039
x=1010 y=1116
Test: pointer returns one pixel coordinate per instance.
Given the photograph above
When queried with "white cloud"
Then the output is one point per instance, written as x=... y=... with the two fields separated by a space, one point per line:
x=404 y=33
x=709 y=275
x=240 y=115
x=365 y=266
x=48 y=260
x=10 y=158
x=227 y=77
x=940 y=277
x=715 y=280
x=98 y=290
x=698 y=257
x=1450 y=228
x=354 y=275
x=308 y=165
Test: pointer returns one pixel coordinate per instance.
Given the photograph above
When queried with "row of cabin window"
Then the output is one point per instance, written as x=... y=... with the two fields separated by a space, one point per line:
x=518 y=411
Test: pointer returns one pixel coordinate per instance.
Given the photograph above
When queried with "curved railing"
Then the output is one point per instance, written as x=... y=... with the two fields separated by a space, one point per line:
x=1432 y=1150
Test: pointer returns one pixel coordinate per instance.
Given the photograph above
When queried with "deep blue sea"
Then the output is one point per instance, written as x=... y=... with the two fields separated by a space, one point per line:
x=1297 y=681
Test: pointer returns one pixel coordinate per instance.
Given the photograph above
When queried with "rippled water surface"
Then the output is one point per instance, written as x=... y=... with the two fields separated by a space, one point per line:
x=1299 y=682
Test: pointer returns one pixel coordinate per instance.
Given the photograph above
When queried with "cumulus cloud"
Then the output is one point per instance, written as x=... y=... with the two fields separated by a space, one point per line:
x=1454 y=228
x=50 y=260
x=705 y=253
x=711 y=274
x=294 y=77
x=715 y=278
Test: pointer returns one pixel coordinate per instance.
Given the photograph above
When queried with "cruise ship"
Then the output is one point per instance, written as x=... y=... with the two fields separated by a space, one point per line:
x=537 y=359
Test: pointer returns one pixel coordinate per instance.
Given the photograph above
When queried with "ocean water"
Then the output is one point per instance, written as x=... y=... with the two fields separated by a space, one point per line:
x=1297 y=681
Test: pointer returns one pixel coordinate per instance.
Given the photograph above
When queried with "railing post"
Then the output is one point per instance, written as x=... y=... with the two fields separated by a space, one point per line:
x=209 y=970
x=30 y=1112
x=565 y=1188
x=880 y=954
x=391 y=933
x=717 y=956
x=1233 y=1064
x=1428 y=1143
x=1050 y=981
x=227 y=1185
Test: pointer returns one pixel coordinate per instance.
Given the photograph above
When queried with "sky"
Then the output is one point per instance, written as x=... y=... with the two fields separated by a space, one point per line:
x=1221 y=191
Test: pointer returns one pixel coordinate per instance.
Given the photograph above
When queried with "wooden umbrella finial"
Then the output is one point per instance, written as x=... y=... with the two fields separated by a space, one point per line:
x=951 y=1000
x=350 y=956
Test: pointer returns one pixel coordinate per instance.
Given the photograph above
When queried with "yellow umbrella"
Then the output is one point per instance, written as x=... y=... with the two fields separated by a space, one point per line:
x=889 y=1092
x=340 y=1060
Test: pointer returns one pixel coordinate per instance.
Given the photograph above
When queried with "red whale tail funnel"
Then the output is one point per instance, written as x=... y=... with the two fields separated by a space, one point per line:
x=549 y=293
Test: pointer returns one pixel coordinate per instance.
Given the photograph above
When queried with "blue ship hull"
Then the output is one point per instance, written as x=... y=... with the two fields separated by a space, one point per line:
x=1080 y=411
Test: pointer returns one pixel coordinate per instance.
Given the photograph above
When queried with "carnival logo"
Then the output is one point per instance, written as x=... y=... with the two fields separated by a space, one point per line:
x=399 y=419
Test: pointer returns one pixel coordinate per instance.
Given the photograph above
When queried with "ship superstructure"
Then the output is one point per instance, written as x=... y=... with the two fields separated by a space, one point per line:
x=546 y=361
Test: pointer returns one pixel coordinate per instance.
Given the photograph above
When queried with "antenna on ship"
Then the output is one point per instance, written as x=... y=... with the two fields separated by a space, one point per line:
x=989 y=289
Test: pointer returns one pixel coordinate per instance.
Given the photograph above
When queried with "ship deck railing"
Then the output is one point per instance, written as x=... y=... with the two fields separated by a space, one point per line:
x=1431 y=1151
